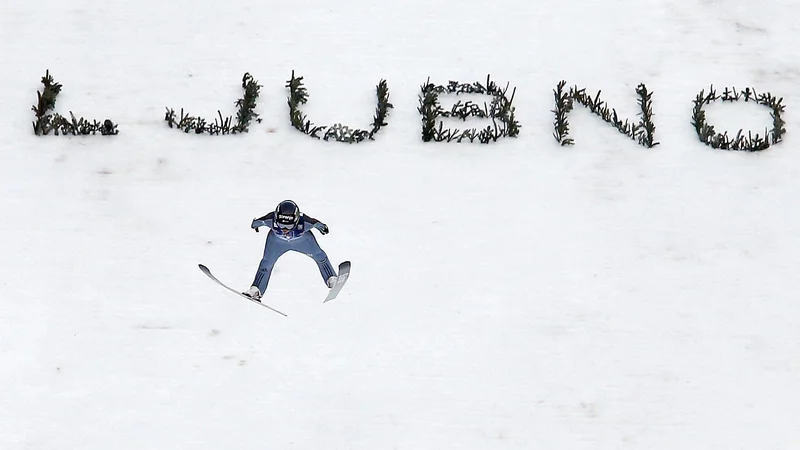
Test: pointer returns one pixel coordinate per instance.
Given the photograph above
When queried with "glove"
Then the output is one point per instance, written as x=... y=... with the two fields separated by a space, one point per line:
x=323 y=228
x=253 y=225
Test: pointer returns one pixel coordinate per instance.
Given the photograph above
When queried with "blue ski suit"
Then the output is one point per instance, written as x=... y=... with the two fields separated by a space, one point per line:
x=299 y=239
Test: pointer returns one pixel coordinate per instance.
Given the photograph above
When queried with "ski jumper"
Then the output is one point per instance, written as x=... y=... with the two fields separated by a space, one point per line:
x=298 y=239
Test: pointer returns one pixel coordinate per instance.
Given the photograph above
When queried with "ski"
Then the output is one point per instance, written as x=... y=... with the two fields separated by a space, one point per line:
x=206 y=271
x=344 y=274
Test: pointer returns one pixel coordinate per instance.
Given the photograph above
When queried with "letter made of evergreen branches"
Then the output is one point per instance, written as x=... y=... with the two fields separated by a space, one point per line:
x=500 y=111
x=298 y=96
x=47 y=122
x=709 y=136
x=643 y=132
x=245 y=114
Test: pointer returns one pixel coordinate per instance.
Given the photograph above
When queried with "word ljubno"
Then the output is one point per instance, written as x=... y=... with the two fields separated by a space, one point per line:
x=499 y=110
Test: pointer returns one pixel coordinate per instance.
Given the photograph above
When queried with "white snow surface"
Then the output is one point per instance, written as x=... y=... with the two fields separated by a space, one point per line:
x=517 y=295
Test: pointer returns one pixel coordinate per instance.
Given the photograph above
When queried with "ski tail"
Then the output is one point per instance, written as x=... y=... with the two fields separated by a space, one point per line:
x=344 y=274
x=208 y=273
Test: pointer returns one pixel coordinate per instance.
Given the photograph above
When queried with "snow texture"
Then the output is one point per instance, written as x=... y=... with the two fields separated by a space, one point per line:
x=518 y=295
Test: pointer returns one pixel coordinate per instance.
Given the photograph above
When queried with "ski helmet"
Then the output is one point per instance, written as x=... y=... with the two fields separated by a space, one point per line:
x=287 y=214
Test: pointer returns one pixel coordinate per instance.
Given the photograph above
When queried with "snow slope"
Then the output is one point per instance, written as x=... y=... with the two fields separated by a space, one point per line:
x=518 y=295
